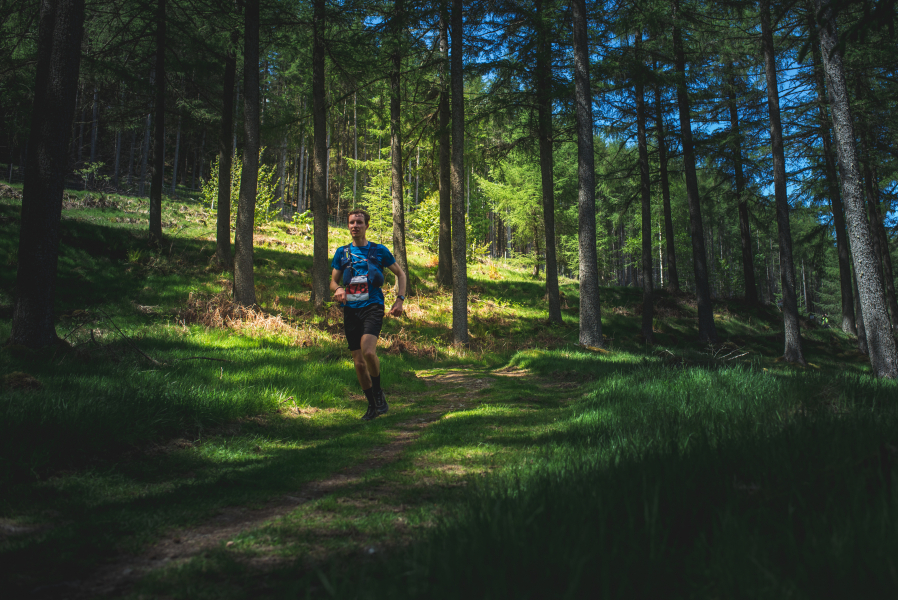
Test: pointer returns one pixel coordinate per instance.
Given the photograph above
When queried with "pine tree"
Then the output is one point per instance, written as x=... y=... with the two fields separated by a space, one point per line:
x=876 y=326
x=61 y=27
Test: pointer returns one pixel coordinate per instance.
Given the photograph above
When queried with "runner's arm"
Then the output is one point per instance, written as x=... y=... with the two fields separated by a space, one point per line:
x=337 y=286
x=401 y=281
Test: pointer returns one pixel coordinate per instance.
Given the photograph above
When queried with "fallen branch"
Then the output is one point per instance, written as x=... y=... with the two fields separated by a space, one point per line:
x=205 y=358
x=130 y=343
x=68 y=335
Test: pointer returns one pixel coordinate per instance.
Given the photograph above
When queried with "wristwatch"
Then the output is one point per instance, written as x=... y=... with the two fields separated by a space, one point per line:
x=401 y=297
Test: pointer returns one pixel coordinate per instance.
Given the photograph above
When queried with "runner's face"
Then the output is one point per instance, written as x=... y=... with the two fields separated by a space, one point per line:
x=357 y=226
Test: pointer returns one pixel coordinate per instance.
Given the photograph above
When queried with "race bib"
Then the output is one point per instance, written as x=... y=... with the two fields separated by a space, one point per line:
x=358 y=289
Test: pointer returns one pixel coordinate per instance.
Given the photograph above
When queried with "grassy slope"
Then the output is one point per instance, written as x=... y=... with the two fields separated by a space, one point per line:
x=674 y=460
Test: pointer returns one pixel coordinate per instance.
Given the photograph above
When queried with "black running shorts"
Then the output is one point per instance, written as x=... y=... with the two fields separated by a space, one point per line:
x=359 y=321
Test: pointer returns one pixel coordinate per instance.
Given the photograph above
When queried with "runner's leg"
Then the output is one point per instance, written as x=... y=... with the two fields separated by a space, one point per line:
x=369 y=354
x=361 y=368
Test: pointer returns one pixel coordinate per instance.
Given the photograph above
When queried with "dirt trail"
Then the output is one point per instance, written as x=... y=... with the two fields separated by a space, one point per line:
x=181 y=545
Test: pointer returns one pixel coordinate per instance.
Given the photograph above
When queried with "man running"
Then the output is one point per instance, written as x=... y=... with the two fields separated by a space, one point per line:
x=356 y=281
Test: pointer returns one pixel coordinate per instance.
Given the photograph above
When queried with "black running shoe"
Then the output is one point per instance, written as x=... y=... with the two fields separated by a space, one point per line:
x=380 y=404
x=369 y=414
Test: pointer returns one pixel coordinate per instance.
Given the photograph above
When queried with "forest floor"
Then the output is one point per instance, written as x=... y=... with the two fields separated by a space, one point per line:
x=180 y=448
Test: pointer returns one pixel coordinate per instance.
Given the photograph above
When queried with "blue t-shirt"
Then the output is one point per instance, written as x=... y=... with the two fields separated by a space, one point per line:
x=357 y=293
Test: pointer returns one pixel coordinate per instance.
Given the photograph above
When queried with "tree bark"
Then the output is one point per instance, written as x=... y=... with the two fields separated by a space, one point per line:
x=155 y=217
x=645 y=190
x=670 y=246
x=846 y=287
x=444 y=264
x=244 y=281
x=878 y=221
x=859 y=318
x=546 y=158
x=877 y=227
x=144 y=160
x=880 y=343
x=60 y=31
x=118 y=153
x=459 y=241
x=94 y=126
x=80 y=128
x=174 y=173
x=748 y=262
x=282 y=177
x=792 y=329
x=131 y=158
x=590 y=303
x=396 y=138
x=320 y=258
x=300 y=193
x=707 y=332
x=225 y=158
x=355 y=151
x=202 y=154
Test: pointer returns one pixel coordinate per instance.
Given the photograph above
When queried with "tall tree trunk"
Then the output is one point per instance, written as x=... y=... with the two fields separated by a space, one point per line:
x=881 y=344
x=459 y=241
x=444 y=264
x=846 y=287
x=355 y=152
x=201 y=157
x=398 y=27
x=236 y=117
x=131 y=157
x=748 y=262
x=94 y=126
x=878 y=221
x=72 y=150
x=118 y=153
x=144 y=160
x=859 y=318
x=877 y=228
x=673 y=277
x=645 y=189
x=225 y=158
x=707 y=332
x=590 y=304
x=282 y=177
x=871 y=214
x=536 y=256
x=300 y=193
x=56 y=80
x=320 y=258
x=244 y=281
x=174 y=173
x=468 y=190
x=159 y=138
x=81 y=127
x=793 y=350
x=546 y=158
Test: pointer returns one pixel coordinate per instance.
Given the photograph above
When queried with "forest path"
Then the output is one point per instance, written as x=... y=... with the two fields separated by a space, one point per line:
x=448 y=391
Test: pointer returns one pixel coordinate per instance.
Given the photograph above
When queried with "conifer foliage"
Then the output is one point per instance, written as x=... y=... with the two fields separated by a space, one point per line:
x=600 y=144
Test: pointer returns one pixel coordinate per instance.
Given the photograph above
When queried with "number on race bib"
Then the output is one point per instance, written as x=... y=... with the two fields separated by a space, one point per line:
x=358 y=289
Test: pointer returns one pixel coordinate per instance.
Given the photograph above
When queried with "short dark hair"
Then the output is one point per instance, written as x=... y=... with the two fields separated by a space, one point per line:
x=359 y=211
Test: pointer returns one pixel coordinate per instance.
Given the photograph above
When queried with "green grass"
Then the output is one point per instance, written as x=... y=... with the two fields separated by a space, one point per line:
x=677 y=469
x=667 y=482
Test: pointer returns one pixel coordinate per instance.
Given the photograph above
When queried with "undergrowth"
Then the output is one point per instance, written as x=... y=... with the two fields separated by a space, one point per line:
x=669 y=482
x=676 y=469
